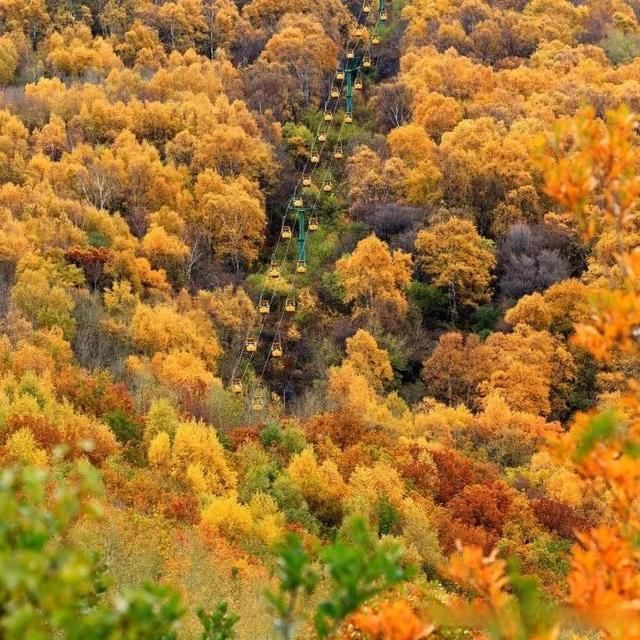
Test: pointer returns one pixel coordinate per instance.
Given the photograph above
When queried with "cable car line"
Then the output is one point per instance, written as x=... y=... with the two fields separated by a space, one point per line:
x=349 y=77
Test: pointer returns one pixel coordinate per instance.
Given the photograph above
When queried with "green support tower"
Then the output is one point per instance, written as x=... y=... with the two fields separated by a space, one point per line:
x=351 y=69
x=301 y=266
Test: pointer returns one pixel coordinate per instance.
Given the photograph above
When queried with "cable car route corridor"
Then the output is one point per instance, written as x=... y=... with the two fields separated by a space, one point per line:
x=301 y=215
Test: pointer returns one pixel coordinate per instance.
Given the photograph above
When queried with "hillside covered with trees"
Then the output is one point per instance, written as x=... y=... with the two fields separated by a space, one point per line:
x=319 y=320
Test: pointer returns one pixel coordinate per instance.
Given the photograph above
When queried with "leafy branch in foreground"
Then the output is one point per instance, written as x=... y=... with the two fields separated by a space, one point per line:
x=49 y=588
x=357 y=570
x=296 y=577
x=219 y=624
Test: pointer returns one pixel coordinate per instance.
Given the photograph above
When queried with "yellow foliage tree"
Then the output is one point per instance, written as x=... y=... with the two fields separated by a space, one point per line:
x=42 y=292
x=457 y=258
x=350 y=390
x=557 y=309
x=369 y=486
x=195 y=444
x=227 y=517
x=164 y=329
x=321 y=484
x=13 y=148
x=230 y=308
x=164 y=250
x=22 y=448
x=183 y=371
x=159 y=452
x=302 y=44
x=8 y=60
x=374 y=276
x=531 y=310
x=437 y=113
x=51 y=139
x=369 y=360
x=74 y=51
x=232 y=214
x=530 y=369
x=455 y=368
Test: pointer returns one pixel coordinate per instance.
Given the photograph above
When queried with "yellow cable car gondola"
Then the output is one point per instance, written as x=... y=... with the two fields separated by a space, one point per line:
x=357 y=85
x=358 y=33
x=251 y=345
x=340 y=75
x=290 y=305
x=335 y=93
x=348 y=118
x=315 y=158
x=298 y=202
x=306 y=181
x=274 y=271
x=384 y=15
x=366 y=9
x=286 y=232
x=366 y=62
x=322 y=136
x=328 y=117
x=276 y=349
x=338 y=153
x=264 y=307
x=327 y=187
x=236 y=386
x=351 y=54
x=301 y=266
x=313 y=224
x=375 y=39
x=257 y=404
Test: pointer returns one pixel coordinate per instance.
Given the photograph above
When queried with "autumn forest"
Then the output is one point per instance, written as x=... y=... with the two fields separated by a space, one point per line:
x=320 y=320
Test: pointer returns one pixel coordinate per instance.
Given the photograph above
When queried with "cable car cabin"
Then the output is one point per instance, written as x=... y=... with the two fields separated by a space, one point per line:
x=306 y=181
x=315 y=158
x=236 y=386
x=338 y=154
x=274 y=271
x=276 y=349
x=327 y=188
x=357 y=85
x=290 y=305
x=264 y=307
x=251 y=345
x=257 y=404
x=301 y=266
x=366 y=9
x=313 y=224
x=339 y=75
x=335 y=93
x=384 y=16
x=286 y=233
x=366 y=62
x=328 y=117
x=375 y=39
x=350 y=54
x=348 y=118
x=358 y=33
x=322 y=137
x=298 y=202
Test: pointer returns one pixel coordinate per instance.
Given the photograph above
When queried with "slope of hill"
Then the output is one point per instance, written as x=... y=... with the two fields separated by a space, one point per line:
x=278 y=267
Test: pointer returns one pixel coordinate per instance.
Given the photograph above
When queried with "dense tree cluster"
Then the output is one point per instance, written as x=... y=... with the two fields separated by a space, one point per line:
x=456 y=366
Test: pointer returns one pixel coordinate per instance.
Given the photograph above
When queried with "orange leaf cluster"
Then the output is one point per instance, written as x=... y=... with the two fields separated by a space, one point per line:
x=485 y=575
x=392 y=621
x=605 y=581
